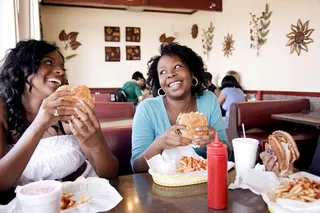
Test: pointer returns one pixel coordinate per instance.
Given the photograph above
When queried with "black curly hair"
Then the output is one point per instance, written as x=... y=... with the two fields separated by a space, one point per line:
x=187 y=56
x=19 y=63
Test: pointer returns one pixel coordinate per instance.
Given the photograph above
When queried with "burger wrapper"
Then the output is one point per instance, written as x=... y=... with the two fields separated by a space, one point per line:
x=104 y=196
x=167 y=162
x=264 y=183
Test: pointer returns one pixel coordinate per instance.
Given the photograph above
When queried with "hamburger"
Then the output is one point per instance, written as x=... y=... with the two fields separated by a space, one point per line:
x=192 y=120
x=282 y=145
x=80 y=93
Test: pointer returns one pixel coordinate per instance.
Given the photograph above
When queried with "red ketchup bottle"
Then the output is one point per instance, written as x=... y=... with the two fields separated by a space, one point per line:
x=217 y=163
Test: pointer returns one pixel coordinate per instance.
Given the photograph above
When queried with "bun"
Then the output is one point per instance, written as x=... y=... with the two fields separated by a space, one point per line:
x=81 y=93
x=192 y=120
x=284 y=147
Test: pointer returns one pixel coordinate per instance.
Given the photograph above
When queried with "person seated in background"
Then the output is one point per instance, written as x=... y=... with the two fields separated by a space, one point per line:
x=132 y=88
x=271 y=163
x=39 y=141
x=210 y=86
x=236 y=75
x=230 y=93
x=146 y=93
x=176 y=78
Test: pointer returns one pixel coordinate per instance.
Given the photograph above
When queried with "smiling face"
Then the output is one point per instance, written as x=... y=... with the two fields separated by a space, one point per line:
x=51 y=75
x=174 y=76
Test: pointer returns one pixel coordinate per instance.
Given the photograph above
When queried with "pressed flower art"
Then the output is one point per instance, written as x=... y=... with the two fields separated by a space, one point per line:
x=228 y=45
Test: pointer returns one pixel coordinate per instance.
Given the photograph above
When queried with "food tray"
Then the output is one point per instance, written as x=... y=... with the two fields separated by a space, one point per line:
x=179 y=180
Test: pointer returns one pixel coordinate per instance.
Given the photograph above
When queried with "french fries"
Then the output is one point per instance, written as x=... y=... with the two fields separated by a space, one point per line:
x=67 y=203
x=301 y=189
x=190 y=164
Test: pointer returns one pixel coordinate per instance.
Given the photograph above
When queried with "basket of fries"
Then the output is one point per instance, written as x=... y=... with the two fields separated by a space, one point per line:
x=299 y=193
x=179 y=166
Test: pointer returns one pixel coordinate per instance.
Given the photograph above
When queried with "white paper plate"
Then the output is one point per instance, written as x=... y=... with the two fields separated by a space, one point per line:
x=104 y=196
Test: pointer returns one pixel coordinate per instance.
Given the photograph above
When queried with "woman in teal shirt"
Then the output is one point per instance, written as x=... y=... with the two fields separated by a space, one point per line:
x=177 y=77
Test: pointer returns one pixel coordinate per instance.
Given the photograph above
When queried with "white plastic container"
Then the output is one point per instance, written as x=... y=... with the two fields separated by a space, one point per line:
x=40 y=197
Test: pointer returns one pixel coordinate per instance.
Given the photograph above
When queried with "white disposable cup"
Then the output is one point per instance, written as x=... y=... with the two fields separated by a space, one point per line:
x=245 y=154
x=40 y=197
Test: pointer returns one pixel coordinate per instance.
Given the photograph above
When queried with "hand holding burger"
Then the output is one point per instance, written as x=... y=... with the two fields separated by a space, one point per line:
x=85 y=126
x=280 y=153
x=196 y=128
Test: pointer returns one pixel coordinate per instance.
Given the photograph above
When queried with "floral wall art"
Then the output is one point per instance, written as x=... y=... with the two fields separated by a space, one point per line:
x=207 y=39
x=70 y=41
x=299 y=37
x=164 y=39
x=194 y=31
x=228 y=45
x=111 y=34
x=259 y=29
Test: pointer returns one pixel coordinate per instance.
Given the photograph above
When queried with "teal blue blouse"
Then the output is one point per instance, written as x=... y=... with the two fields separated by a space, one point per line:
x=151 y=120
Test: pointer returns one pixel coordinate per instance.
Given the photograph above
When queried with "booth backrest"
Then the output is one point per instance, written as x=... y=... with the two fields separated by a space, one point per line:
x=102 y=97
x=257 y=114
x=119 y=143
x=105 y=110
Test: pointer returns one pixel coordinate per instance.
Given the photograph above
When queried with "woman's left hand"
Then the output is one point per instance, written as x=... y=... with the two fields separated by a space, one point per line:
x=86 y=127
x=203 y=140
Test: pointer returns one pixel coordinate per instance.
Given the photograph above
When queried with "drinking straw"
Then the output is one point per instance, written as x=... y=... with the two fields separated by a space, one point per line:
x=244 y=131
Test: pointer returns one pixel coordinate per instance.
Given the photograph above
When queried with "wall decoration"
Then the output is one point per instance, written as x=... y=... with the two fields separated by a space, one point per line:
x=70 y=41
x=112 y=34
x=133 y=34
x=207 y=38
x=299 y=37
x=133 y=52
x=164 y=39
x=228 y=45
x=112 y=53
x=259 y=29
x=194 y=31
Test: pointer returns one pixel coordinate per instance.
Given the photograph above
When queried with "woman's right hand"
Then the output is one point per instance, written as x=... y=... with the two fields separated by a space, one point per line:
x=46 y=116
x=172 y=139
x=271 y=164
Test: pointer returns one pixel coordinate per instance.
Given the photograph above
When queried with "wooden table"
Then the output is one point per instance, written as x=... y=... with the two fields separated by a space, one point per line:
x=141 y=195
x=306 y=117
x=119 y=122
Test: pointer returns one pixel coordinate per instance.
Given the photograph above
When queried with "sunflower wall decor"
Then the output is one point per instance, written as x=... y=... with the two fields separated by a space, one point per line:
x=228 y=45
x=259 y=30
x=207 y=39
x=299 y=37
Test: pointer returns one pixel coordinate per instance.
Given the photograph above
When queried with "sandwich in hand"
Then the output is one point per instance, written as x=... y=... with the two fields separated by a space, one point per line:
x=282 y=145
x=80 y=93
x=192 y=121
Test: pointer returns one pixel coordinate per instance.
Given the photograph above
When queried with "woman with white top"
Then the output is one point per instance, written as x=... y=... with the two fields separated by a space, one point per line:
x=38 y=141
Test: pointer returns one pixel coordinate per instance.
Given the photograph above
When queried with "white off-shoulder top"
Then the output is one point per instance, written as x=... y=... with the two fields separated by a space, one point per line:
x=55 y=158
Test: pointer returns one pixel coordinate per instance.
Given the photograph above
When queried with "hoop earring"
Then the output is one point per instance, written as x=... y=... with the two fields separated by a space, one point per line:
x=160 y=90
x=197 y=82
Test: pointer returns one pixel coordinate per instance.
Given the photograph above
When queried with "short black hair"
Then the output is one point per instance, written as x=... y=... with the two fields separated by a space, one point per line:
x=229 y=81
x=187 y=56
x=137 y=75
x=208 y=76
x=19 y=63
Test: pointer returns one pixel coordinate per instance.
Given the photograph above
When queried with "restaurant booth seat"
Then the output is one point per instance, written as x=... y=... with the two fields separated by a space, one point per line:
x=101 y=97
x=113 y=110
x=119 y=143
x=256 y=117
